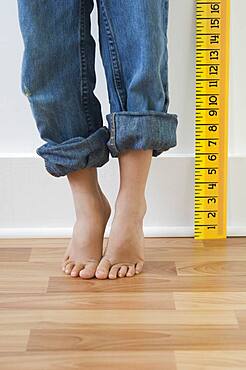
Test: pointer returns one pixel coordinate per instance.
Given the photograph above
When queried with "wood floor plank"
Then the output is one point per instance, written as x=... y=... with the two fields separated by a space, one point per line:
x=194 y=254
x=33 y=242
x=210 y=300
x=30 y=270
x=41 y=269
x=58 y=301
x=14 y=340
x=14 y=318
x=52 y=254
x=184 y=242
x=150 y=283
x=231 y=268
x=15 y=284
x=208 y=360
x=159 y=253
x=126 y=337
x=15 y=254
x=93 y=360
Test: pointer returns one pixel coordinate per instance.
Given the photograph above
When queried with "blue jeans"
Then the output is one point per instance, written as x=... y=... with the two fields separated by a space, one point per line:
x=58 y=78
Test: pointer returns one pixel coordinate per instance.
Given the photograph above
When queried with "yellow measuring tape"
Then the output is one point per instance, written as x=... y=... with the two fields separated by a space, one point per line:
x=211 y=149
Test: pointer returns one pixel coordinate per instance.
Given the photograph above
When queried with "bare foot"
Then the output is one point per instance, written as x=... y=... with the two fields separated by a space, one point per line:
x=124 y=254
x=85 y=247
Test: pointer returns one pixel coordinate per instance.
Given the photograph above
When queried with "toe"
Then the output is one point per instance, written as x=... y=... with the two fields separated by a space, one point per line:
x=103 y=269
x=122 y=271
x=89 y=271
x=131 y=270
x=65 y=257
x=65 y=263
x=113 y=272
x=76 y=269
x=69 y=267
x=139 y=267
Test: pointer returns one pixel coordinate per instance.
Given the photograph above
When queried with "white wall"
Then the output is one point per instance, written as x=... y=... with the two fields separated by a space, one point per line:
x=28 y=205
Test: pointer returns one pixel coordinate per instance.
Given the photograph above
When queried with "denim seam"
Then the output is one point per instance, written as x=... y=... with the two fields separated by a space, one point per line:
x=112 y=141
x=83 y=67
x=114 y=58
x=165 y=27
x=148 y=113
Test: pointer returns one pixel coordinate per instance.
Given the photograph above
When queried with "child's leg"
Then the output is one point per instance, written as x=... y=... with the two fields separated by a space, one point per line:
x=133 y=37
x=92 y=213
x=124 y=253
x=58 y=78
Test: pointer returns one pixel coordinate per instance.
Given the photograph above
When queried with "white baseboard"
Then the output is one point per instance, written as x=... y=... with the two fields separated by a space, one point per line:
x=35 y=204
x=149 y=232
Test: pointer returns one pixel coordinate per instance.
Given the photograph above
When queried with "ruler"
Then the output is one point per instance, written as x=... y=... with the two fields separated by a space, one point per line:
x=211 y=131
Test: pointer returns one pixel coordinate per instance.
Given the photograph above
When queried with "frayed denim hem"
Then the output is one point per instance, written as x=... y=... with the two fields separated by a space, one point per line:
x=76 y=153
x=142 y=130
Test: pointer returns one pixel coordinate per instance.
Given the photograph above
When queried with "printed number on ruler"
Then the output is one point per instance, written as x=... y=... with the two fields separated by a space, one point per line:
x=211 y=150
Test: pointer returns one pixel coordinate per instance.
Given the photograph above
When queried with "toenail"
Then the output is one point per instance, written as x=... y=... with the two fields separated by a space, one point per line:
x=100 y=272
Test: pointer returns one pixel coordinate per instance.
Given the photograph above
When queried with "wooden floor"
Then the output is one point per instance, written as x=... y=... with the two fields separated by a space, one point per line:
x=185 y=311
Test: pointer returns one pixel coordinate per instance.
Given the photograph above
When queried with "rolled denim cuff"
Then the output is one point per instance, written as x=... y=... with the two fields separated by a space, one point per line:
x=76 y=153
x=141 y=130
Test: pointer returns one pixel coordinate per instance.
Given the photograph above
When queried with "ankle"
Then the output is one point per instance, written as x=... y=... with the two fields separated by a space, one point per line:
x=134 y=205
